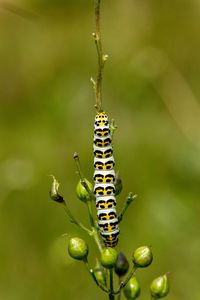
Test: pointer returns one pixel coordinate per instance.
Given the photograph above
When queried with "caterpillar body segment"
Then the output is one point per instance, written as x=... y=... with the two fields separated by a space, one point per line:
x=108 y=176
x=105 y=202
x=103 y=152
x=104 y=178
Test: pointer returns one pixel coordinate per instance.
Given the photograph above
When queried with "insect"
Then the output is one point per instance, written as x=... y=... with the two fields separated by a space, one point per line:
x=104 y=178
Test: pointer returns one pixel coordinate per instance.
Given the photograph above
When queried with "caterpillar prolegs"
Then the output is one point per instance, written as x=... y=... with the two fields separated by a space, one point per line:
x=104 y=179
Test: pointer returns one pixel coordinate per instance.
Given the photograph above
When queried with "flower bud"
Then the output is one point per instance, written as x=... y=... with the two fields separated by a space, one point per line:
x=159 y=287
x=118 y=184
x=142 y=257
x=81 y=191
x=108 y=258
x=55 y=196
x=99 y=273
x=77 y=248
x=121 y=265
x=132 y=289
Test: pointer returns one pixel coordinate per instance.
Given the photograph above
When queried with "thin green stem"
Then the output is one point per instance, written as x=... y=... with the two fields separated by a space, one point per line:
x=83 y=182
x=89 y=206
x=129 y=200
x=124 y=283
x=101 y=58
x=113 y=127
x=119 y=295
x=55 y=196
x=97 y=240
x=97 y=15
x=91 y=272
x=111 y=292
x=73 y=220
x=94 y=231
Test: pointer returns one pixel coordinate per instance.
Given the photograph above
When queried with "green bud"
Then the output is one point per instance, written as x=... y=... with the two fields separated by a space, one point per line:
x=122 y=265
x=81 y=191
x=159 y=287
x=142 y=257
x=99 y=273
x=132 y=289
x=55 y=196
x=77 y=248
x=118 y=184
x=108 y=258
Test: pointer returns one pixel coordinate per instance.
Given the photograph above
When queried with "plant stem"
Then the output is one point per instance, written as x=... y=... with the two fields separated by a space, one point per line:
x=101 y=58
x=119 y=295
x=94 y=231
x=73 y=220
x=97 y=239
x=123 y=283
x=111 y=292
x=90 y=213
x=129 y=200
x=55 y=196
x=83 y=182
x=91 y=272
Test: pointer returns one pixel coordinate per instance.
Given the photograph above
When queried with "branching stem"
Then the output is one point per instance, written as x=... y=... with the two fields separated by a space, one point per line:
x=129 y=200
x=73 y=220
x=124 y=283
x=83 y=182
x=91 y=272
x=94 y=232
x=55 y=196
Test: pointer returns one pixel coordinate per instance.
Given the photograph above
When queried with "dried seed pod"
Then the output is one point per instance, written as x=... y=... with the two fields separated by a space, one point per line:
x=55 y=196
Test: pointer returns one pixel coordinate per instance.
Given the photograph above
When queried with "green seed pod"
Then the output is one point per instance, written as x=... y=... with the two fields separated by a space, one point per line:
x=99 y=273
x=77 y=248
x=122 y=265
x=118 y=184
x=81 y=191
x=142 y=257
x=159 y=287
x=132 y=289
x=108 y=258
x=55 y=196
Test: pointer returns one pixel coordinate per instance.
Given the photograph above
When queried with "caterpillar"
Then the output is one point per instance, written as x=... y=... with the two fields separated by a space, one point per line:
x=104 y=179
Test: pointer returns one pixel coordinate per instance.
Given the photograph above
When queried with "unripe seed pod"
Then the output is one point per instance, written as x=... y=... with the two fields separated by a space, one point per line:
x=100 y=274
x=142 y=257
x=81 y=191
x=121 y=265
x=159 y=287
x=132 y=289
x=77 y=248
x=108 y=258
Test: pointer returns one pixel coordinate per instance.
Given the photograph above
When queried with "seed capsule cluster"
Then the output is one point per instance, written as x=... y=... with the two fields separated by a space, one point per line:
x=104 y=178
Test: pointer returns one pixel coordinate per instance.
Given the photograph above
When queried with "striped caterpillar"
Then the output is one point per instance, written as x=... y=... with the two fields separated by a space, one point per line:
x=104 y=179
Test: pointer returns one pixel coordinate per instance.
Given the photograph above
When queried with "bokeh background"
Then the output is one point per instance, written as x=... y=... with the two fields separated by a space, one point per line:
x=151 y=89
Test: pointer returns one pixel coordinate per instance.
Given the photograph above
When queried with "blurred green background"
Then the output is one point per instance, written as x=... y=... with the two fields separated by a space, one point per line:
x=151 y=89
